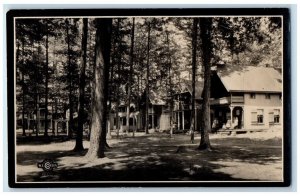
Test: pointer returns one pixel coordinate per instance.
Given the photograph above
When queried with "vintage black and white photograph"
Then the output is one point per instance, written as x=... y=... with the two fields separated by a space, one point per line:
x=148 y=98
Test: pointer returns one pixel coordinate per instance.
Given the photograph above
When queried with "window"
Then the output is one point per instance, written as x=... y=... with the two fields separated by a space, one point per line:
x=124 y=121
x=260 y=116
x=252 y=95
x=268 y=96
x=276 y=116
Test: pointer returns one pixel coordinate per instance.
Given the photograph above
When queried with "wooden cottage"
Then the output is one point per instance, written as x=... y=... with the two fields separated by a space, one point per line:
x=182 y=111
x=158 y=111
x=248 y=98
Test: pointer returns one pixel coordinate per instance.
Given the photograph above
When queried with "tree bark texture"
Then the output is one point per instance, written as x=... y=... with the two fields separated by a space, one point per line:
x=70 y=79
x=23 y=89
x=147 y=82
x=170 y=86
x=206 y=47
x=79 y=144
x=102 y=58
x=194 y=70
x=130 y=76
x=46 y=85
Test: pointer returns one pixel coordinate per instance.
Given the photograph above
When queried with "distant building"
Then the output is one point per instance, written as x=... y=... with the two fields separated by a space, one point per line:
x=118 y=117
x=34 y=120
x=182 y=111
x=158 y=111
x=158 y=116
x=248 y=98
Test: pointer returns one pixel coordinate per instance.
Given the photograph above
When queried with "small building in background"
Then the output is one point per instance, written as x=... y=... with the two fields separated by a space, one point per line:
x=36 y=120
x=158 y=112
x=182 y=110
x=118 y=117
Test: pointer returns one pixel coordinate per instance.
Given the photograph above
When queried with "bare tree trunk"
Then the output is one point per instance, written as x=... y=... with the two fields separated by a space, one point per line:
x=38 y=119
x=170 y=88
x=23 y=106
x=55 y=112
x=194 y=70
x=70 y=78
x=79 y=144
x=23 y=90
x=205 y=29
x=46 y=86
x=147 y=81
x=119 y=71
x=110 y=93
x=102 y=49
x=130 y=76
x=91 y=64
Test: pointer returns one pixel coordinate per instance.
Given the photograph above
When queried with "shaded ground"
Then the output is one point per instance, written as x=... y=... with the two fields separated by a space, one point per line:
x=157 y=157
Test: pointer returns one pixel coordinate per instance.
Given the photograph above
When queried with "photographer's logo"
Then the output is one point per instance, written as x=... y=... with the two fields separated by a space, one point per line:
x=47 y=165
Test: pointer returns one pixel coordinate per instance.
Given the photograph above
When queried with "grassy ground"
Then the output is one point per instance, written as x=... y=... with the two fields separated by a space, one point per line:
x=250 y=157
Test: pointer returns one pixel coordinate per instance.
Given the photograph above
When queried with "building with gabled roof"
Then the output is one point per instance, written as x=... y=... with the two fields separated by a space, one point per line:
x=247 y=98
x=182 y=110
x=158 y=111
x=158 y=118
x=252 y=79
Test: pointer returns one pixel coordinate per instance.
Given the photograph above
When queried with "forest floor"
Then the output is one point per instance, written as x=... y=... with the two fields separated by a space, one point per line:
x=157 y=157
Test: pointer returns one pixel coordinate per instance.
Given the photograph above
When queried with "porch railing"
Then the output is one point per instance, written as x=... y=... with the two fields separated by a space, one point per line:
x=227 y=100
x=237 y=99
x=220 y=101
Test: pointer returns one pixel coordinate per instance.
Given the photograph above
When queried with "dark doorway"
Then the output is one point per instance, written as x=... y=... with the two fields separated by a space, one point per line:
x=238 y=115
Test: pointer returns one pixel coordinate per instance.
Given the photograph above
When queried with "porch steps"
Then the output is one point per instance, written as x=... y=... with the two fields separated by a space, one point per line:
x=238 y=131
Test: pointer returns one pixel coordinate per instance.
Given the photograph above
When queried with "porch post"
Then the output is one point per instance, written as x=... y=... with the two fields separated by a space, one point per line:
x=231 y=116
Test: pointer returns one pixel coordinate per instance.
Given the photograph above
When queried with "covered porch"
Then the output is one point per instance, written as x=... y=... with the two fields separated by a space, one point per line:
x=226 y=115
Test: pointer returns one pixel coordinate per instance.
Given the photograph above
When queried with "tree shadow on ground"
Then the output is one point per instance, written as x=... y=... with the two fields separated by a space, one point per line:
x=157 y=159
x=33 y=157
x=39 y=140
x=147 y=169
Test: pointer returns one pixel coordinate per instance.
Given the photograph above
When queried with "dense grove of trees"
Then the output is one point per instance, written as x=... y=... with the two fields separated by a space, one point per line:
x=76 y=66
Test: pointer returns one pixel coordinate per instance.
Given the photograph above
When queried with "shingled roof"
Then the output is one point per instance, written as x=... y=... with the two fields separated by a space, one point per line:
x=252 y=79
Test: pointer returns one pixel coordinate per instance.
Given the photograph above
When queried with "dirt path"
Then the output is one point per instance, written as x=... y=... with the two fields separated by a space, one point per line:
x=157 y=157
